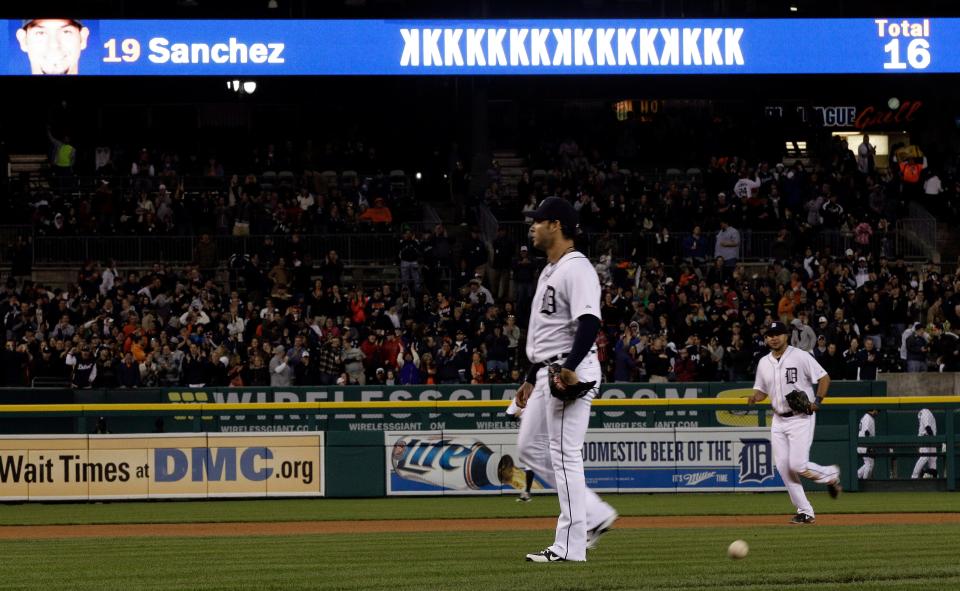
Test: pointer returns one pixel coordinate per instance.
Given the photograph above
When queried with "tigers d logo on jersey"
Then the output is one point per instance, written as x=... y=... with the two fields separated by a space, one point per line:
x=549 y=304
x=791 y=375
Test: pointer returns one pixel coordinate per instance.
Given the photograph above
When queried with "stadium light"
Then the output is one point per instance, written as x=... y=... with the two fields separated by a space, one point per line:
x=272 y=5
x=418 y=176
x=242 y=86
x=793 y=8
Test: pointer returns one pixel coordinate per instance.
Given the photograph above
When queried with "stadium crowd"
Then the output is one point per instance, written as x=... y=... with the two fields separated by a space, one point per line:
x=691 y=311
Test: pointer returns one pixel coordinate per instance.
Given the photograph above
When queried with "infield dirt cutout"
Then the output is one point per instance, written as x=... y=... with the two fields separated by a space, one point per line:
x=276 y=528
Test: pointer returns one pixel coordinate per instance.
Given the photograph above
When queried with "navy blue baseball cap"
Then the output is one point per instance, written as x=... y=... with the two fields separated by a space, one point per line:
x=27 y=21
x=559 y=209
x=776 y=328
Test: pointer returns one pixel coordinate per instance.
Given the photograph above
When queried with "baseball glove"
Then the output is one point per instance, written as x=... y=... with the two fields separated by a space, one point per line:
x=799 y=403
x=563 y=391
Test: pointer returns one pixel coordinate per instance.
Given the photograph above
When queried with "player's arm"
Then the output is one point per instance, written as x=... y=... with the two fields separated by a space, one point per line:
x=822 y=386
x=588 y=326
x=759 y=388
x=526 y=388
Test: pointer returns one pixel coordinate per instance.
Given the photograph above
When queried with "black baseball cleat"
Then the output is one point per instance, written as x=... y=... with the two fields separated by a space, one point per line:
x=546 y=555
x=593 y=535
x=802 y=519
x=834 y=489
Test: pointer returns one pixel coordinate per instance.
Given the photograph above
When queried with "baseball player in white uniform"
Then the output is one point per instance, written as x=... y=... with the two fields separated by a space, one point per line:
x=926 y=464
x=564 y=321
x=868 y=428
x=783 y=370
x=517 y=413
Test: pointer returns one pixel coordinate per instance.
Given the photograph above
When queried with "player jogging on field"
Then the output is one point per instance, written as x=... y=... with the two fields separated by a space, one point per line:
x=787 y=376
x=564 y=320
x=927 y=462
x=517 y=413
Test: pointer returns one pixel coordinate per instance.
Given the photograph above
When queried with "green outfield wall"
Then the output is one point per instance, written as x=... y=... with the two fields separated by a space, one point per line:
x=717 y=444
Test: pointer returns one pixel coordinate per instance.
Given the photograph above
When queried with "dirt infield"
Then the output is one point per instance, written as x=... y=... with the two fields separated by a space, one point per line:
x=38 y=532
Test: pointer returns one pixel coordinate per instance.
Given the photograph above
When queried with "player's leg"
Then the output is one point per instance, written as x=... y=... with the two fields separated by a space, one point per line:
x=866 y=470
x=919 y=466
x=567 y=426
x=926 y=461
x=932 y=461
x=532 y=440
x=600 y=515
x=801 y=433
x=781 y=455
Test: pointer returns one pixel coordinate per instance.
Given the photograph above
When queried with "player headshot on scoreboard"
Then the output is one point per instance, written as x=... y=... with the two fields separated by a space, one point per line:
x=53 y=45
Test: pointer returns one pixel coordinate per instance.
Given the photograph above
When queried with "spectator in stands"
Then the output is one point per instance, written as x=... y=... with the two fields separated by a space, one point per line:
x=107 y=366
x=497 y=346
x=657 y=361
x=331 y=269
x=946 y=348
x=128 y=373
x=479 y=294
x=802 y=337
x=917 y=350
x=49 y=367
x=378 y=214
x=503 y=253
x=83 y=367
x=474 y=251
x=281 y=372
x=205 y=254
x=727 y=244
x=409 y=253
x=409 y=361
x=694 y=247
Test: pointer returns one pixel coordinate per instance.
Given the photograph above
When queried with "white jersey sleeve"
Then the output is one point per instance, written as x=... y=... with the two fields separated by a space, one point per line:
x=583 y=288
x=760 y=383
x=926 y=420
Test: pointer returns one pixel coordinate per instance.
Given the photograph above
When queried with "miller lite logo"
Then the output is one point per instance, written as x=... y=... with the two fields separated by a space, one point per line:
x=756 y=461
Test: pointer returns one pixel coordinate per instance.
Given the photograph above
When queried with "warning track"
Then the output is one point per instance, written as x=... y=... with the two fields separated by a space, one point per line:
x=287 y=528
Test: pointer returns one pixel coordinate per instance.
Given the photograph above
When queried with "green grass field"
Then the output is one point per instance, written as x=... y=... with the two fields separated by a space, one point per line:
x=820 y=558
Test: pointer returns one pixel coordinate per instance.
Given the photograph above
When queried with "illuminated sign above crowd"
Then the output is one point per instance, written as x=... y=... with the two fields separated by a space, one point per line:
x=478 y=47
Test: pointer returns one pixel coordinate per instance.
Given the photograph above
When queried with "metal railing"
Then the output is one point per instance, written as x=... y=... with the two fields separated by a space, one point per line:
x=367 y=248
x=379 y=247
x=754 y=245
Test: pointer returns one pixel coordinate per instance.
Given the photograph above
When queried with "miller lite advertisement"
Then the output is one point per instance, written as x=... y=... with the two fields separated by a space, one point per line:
x=652 y=460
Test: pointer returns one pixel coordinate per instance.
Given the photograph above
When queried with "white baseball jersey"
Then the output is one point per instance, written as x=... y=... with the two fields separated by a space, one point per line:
x=795 y=370
x=928 y=461
x=566 y=290
x=868 y=427
x=926 y=419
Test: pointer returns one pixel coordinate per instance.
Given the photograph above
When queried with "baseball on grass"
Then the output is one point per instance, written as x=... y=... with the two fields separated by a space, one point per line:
x=738 y=549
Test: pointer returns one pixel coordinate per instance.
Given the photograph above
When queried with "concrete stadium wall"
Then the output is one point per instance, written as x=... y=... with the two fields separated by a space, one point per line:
x=922 y=384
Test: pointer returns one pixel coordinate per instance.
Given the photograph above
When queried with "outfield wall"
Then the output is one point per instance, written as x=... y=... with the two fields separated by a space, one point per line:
x=411 y=460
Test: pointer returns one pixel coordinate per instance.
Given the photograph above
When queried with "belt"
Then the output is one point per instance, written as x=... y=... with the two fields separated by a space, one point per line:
x=559 y=358
x=786 y=415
